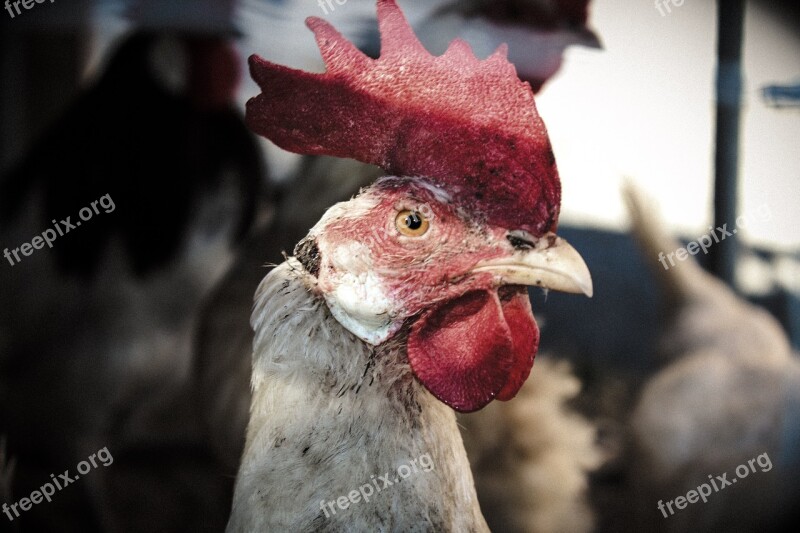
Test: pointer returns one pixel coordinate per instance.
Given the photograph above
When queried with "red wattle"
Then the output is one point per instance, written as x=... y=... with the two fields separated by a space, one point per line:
x=466 y=351
x=525 y=334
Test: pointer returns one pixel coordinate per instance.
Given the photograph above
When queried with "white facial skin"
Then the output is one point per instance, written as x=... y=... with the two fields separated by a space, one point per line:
x=359 y=301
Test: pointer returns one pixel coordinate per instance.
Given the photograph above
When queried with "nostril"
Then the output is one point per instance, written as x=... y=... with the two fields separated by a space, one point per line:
x=520 y=240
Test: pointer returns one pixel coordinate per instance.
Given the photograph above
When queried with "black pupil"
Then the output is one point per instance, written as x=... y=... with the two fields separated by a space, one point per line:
x=414 y=221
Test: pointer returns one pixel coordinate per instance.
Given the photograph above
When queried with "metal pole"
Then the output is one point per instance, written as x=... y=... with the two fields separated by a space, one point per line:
x=730 y=18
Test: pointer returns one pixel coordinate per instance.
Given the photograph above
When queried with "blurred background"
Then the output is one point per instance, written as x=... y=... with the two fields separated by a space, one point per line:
x=132 y=332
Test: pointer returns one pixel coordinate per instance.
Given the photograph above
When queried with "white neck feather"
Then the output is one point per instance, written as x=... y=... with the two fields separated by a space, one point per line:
x=331 y=415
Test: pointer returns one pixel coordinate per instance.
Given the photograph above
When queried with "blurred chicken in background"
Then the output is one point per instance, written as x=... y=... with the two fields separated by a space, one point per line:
x=99 y=338
x=728 y=393
x=531 y=458
x=537 y=31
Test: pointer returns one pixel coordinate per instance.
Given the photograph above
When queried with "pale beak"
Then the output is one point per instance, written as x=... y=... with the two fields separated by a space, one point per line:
x=548 y=262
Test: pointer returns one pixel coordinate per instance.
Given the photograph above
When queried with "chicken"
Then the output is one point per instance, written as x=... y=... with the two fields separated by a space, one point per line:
x=103 y=321
x=409 y=299
x=537 y=31
x=729 y=393
x=201 y=149
x=224 y=339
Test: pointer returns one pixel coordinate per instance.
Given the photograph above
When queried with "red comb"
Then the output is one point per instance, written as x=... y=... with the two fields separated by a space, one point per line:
x=470 y=126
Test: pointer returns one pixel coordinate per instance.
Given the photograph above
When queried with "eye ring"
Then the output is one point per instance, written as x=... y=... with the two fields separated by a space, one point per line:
x=411 y=223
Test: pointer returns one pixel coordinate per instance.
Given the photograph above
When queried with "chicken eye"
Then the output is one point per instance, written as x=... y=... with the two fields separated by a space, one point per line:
x=411 y=223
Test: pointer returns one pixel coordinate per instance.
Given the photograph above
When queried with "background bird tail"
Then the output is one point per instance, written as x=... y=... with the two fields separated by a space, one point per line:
x=676 y=279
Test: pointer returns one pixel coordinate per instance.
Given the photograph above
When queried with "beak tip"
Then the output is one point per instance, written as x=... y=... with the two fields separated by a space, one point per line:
x=588 y=290
x=586 y=284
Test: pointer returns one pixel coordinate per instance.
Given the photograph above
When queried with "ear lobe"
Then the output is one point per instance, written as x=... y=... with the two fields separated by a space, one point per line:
x=307 y=252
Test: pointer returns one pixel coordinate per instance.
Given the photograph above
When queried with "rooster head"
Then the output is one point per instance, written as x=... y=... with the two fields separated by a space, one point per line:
x=404 y=251
x=447 y=243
